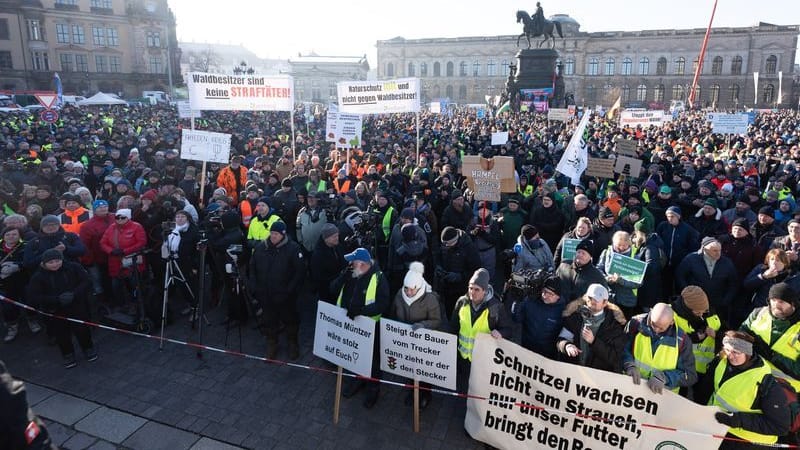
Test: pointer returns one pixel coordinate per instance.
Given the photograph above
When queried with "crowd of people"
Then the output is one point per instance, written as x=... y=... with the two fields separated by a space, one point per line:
x=100 y=200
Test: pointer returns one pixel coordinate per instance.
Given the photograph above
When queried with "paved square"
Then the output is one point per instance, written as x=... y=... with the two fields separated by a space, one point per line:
x=65 y=409
x=154 y=436
x=109 y=424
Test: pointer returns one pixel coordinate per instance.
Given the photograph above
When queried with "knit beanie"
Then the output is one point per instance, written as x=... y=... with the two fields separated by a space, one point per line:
x=329 y=230
x=529 y=231
x=694 y=298
x=449 y=234
x=51 y=254
x=414 y=277
x=553 y=284
x=783 y=292
x=49 y=220
x=741 y=222
x=674 y=210
x=480 y=278
x=585 y=245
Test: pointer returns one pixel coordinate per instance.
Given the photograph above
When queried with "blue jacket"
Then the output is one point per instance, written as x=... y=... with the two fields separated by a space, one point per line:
x=678 y=241
x=541 y=324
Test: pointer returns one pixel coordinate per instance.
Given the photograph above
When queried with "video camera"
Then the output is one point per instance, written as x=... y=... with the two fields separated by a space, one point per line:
x=528 y=282
x=363 y=224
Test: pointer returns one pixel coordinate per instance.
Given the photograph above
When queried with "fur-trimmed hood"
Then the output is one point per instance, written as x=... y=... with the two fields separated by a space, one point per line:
x=575 y=304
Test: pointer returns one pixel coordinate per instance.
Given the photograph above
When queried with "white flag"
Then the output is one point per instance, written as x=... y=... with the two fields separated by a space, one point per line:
x=780 y=87
x=755 y=90
x=576 y=157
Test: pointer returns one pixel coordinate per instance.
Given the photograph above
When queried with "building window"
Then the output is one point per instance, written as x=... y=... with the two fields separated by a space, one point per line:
x=658 y=93
x=677 y=92
x=695 y=65
x=105 y=4
x=450 y=69
x=476 y=68
x=35 y=32
x=716 y=65
x=714 y=94
x=736 y=65
x=680 y=65
x=591 y=93
x=62 y=33
x=5 y=60
x=644 y=66
x=448 y=92
x=389 y=69
x=698 y=95
x=772 y=64
x=661 y=66
x=462 y=69
x=113 y=37
x=411 y=69
x=67 y=2
x=332 y=88
x=626 y=93
x=423 y=69
x=155 y=64
x=114 y=64
x=504 y=70
x=641 y=93
x=78 y=37
x=154 y=39
x=101 y=63
x=40 y=61
x=99 y=36
x=491 y=68
x=462 y=92
x=81 y=63
x=627 y=66
x=5 y=34
x=769 y=93
x=733 y=93
x=593 y=67
x=437 y=69
x=610 y=66
x=569 y=67
x=66 y=60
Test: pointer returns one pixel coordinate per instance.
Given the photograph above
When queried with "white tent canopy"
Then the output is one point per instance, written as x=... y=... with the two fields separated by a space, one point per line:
x=101 y=99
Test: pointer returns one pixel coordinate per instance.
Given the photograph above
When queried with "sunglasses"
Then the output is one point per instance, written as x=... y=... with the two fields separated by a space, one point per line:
x=121 y=217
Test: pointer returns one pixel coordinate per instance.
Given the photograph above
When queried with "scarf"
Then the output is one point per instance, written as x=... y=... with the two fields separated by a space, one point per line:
x=424 y=289
x=174 y=238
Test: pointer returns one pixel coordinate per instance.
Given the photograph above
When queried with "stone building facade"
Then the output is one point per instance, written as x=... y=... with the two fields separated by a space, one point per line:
x=315 y=76
x=118 y=46
x=647 y=68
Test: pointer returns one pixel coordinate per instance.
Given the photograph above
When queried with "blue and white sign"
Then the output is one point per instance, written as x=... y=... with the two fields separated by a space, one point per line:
x=728 y=123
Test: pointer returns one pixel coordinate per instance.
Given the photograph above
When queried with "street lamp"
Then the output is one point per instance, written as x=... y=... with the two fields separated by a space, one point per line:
x=243 y=68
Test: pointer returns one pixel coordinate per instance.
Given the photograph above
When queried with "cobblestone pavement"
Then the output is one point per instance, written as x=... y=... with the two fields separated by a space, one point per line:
x=136 y=396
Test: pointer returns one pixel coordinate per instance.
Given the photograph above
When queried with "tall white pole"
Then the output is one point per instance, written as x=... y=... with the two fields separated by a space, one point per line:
x=417 y=137
x=291 y=119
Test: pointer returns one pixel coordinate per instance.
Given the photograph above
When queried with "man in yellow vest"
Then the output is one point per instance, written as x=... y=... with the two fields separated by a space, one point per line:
x=261 y=223
x=479 y=311
x=658 y=351
x=776 y=328
x=702 y=326
x=363 y=291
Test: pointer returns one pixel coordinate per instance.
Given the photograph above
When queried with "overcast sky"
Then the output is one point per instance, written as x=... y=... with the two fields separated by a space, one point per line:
x=280 y=29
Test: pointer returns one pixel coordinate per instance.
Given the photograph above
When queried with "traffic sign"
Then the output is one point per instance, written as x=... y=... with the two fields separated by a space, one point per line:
x=46 y=99
x=49 y=115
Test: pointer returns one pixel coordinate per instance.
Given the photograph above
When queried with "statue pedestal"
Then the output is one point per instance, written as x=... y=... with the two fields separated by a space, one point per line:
x=536 y=68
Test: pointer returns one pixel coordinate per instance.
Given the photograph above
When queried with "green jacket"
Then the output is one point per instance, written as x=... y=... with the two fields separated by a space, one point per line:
x=647 y=219
x=512 y=225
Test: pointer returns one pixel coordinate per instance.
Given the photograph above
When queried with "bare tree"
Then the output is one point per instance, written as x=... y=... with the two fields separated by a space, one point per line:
x=206 y=60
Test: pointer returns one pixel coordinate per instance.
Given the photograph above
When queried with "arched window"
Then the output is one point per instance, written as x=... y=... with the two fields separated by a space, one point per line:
x=423 y=69
x=591 y=93
x=716 y=66
x=411 y=69
x=389 y=70
x=644 y=66
x=626 y=93
x=476 y=68
x=680 y=65
x=491 y=68
x=733 y=93
x=610 y=66
x=661 y=66
x=658 y=93
x=695 y=63
x=698 y=95
x=607 y=90
x=677 y=92
x=504 y=68
x=569 y=67
x=772 y=64
x=641 y=93
x=714 y=94
x=736 y=65
x=769 y=93
x=437 y=69
x=450 y=68
x=462 y=69
x=448 y=92
x=627 y=66
x=437 y=91
x=594 y=66
x=462 y=92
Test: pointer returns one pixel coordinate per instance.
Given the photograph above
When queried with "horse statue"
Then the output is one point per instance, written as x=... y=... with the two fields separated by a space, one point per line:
x=529 y=29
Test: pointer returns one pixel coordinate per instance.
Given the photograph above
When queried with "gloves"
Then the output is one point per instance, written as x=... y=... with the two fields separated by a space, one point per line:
x=452 y=277
x=117 y=252
x=440 y=272
x=66 y=298
x=730 y=419
x=417 y=326
x=656 y=382
x=353 y=312
x=8 y=269
x=634 y=373
x=401 y=250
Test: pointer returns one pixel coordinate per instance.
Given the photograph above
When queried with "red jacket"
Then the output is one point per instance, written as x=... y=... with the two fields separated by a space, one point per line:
x=130 y=238
x=91 y=233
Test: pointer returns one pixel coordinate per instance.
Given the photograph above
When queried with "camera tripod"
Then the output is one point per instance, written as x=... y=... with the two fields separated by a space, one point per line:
x=173 y=275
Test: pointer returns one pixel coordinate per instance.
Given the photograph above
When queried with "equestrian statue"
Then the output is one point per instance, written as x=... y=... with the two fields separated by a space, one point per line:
x=537 y=25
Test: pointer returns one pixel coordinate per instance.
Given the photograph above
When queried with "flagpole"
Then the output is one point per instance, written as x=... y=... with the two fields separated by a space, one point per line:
x=291 y=119
x=699 y=68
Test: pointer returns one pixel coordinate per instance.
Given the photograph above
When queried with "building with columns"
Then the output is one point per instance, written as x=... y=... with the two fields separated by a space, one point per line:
x=647 y=68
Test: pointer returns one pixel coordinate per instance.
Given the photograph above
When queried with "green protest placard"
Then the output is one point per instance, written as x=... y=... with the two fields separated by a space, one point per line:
x=568 y=249
x=628 y=268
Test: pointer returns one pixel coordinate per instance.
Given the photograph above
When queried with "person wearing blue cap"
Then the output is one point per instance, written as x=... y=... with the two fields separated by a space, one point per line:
x=363 y=291
x=261 y=223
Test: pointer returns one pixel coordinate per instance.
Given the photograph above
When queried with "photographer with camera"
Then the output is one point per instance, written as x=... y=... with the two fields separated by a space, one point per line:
x=180 y=247
x=540 y=314
x=225 y=244
x=407 y=244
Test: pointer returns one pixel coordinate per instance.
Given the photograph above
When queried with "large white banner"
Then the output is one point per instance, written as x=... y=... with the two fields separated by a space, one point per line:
x=344 y=129
x=377 y=97
x=576 y=157
x=205 y=146
x=643 y=118
x=344 y=342
x=527 y=401
x=424 y=355
x=728 y=123
x=219 y=92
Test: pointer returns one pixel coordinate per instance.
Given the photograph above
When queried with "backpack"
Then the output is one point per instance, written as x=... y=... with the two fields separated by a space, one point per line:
x=793 y=404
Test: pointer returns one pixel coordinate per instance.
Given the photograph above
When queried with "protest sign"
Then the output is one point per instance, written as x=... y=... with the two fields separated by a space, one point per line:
x=480 y=114
x=488 y=178
x=343 y=129
x=568 y=249
x=643 y=118
x=185 y=111
x=344 y=342
x=521 y=400
x=560 y=114
x=628 y=268
x=423 y=355
x=211 y=91
x=627 y=148
x=377 y=97
x=499 y=138
x=205 y=146
x=600 y=167
x=729 y=123
x=628 y=166
x=436 y=107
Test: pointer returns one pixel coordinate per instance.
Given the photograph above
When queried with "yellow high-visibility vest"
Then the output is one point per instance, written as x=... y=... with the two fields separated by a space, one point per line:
x=468 y=330
x=372 y=291
x=665 y=358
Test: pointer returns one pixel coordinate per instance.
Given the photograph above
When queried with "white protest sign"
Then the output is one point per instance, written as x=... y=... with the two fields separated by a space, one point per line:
x=205 y=146
x=185 y=111
x=377 y=97
x=560 y=114
x=436 y=107
x=344 y=129
x=500 y=138
x=643 y=118
x=344 y=342
x=728 y=123
x=424 y=355
x=520 y=400
x=211 y=91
